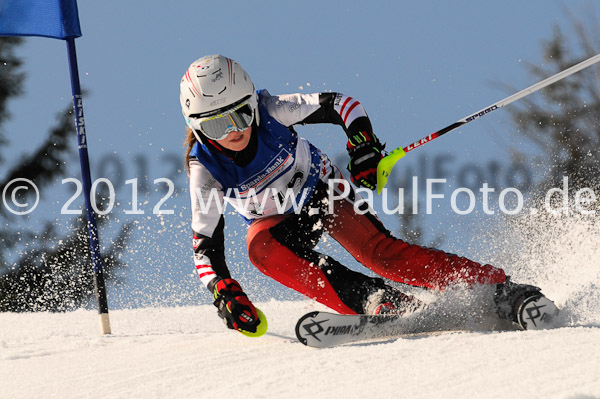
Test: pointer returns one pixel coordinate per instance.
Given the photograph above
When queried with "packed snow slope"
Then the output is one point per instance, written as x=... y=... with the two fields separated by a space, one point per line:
x=187 y=353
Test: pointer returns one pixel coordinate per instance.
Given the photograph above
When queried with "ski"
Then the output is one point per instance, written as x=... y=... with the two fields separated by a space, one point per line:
x=324 y=329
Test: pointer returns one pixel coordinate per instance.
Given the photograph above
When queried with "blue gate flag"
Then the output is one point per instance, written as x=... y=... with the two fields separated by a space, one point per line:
x=58 y=19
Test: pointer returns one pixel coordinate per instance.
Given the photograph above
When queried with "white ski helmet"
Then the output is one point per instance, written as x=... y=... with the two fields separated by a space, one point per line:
x=217 y=97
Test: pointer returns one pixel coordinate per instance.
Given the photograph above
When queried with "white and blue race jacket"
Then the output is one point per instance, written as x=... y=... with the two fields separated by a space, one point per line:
x=279 y=178
x=284 y=165
x=283 y=173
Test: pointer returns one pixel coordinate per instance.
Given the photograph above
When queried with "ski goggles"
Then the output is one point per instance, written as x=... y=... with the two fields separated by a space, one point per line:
x=219 y=125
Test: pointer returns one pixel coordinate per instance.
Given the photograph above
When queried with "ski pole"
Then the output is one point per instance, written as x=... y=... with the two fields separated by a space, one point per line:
x=387 y=163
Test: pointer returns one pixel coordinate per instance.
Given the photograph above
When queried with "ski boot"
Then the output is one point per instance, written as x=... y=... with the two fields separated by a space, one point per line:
x=391 y=301
x=525 y=305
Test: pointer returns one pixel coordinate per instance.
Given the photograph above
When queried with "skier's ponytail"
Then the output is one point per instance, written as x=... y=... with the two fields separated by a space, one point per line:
x=190 y=141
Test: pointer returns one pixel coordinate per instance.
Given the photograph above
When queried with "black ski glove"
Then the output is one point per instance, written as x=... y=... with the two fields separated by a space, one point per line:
x=365 y=152
x=233 y=305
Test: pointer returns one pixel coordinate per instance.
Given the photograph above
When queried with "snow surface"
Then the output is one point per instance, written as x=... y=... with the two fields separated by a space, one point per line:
x=186 y=352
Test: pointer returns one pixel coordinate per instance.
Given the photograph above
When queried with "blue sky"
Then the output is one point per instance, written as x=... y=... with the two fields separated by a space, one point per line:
x=415 y=66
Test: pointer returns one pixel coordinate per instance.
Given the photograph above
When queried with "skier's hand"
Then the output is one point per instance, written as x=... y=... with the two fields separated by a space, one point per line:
x=234 y=307
x=365 y=153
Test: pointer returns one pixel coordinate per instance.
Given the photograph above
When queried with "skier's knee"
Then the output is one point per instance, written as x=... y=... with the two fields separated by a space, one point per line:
x=259 y=247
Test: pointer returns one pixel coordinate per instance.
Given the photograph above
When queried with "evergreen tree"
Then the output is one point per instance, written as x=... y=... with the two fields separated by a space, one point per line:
x=40 y=270
x=563 y=121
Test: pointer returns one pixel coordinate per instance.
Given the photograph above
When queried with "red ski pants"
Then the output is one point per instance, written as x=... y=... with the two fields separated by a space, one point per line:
x=371 y=244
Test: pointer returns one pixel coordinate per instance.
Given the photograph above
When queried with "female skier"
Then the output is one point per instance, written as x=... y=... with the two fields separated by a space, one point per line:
x=242 y=148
